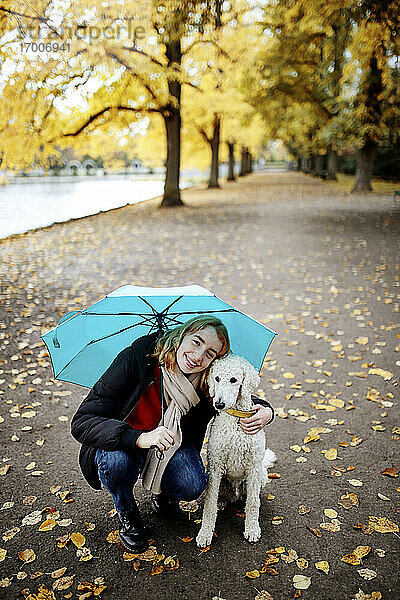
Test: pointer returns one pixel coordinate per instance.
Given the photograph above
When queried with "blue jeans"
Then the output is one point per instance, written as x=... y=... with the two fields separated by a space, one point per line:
x=184 y=477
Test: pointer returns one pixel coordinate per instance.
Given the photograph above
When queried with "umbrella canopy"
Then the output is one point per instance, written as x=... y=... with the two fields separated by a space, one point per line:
x=84 y=343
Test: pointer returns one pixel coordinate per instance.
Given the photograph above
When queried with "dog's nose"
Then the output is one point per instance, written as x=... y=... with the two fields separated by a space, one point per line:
x=219 y=404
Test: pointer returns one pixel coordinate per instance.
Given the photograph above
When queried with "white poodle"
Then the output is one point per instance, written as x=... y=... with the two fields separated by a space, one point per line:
x=236 y=459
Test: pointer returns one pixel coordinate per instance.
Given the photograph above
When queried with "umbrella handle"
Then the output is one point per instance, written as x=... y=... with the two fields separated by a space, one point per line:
x=69 y=315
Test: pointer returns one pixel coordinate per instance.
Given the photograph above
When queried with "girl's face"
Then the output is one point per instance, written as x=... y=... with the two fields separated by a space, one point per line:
x=197 y=350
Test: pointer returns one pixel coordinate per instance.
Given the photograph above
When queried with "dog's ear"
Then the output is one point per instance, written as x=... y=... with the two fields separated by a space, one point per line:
x=210 y=382
x=251 y=379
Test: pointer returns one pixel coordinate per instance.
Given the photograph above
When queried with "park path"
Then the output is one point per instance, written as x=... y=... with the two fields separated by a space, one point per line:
x=319 y=266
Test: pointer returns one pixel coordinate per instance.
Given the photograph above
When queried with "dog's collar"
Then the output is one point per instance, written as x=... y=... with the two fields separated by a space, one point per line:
x=240 y=413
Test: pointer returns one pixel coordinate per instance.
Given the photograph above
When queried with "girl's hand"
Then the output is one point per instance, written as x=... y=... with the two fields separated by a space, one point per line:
x=160 y=437
x=254 y=424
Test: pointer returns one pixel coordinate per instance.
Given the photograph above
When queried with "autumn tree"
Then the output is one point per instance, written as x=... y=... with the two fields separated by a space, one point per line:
x=375 y=109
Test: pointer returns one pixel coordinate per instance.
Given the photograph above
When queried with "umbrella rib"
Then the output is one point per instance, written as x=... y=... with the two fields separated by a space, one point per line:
x=99 y=340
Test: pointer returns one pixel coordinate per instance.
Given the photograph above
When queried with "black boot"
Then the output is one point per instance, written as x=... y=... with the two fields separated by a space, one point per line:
x=163 y=505
x=133 y=534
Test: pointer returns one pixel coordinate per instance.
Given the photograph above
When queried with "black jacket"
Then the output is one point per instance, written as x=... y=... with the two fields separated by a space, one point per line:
x=99 y=420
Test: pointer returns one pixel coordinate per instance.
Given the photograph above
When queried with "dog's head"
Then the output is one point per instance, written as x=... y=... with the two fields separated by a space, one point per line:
x=230 y=378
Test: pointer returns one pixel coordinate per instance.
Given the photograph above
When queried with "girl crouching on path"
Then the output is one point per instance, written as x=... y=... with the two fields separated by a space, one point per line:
x=147 y=415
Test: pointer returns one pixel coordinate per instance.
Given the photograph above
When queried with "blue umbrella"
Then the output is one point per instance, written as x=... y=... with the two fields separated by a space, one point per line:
x=85 y=342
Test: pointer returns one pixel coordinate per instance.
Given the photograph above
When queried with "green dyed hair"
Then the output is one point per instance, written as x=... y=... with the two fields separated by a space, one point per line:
x=169 y=342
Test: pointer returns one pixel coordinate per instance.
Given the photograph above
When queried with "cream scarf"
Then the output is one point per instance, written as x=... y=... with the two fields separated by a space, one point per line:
x=179 y=395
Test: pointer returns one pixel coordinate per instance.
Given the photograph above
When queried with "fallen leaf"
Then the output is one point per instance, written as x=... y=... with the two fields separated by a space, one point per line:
x=315 y=531
x=387 y=375
x=47 y=525
x=330 y=513
x=302 y=563
x=382 y=525
x=303 y=510
x=367 y=573
x=322 y=565
x=348 y=500
x=8 y=535
x=78 y=539
x=391 y=471
x=355 y=482
x=27 y=555
x=330 y=454
x=58 y=573
x=301 y=582
x=112 y=537
x=355 y=558
x=84 y=554
x=156 y=570
x=332 y=527
x=363 y=596
x=263 y=595
x=63 y=583
x=3 y=554
x=253 y=574
x=4 y=469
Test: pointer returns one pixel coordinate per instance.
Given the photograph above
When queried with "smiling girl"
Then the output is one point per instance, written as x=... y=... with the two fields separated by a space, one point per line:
x=147 y=415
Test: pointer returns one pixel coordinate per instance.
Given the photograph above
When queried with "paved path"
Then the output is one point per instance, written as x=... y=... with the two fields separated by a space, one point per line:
x=322 y=269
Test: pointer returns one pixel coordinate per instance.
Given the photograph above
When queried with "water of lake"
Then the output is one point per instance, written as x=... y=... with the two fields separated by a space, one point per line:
x=25 y=206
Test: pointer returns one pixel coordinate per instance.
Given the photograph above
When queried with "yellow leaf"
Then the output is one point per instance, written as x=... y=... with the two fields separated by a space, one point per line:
x=58 y=573
x=78 y=539
x=157 y=569
x=112 y=537
x=387 y=375
x=322 y=565
x=332 y=527
x=355 y=557
x=3 y=554
x=295 y=448
x=336 y=402
x=302 y=563
x=63 y=583
x=378 y=427
x=288 y=375
x=253 y=574
x=330 y=513
x=27 y=555
x=362 y=341
x=348 y=500
x=47 y=525
x=383 y=525
x=330 y=454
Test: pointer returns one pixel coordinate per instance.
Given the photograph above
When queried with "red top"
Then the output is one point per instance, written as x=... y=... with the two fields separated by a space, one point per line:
x=147 y=413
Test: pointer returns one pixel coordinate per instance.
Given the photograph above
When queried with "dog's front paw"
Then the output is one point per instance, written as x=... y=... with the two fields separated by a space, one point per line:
x=204 y=538
x=253 y=533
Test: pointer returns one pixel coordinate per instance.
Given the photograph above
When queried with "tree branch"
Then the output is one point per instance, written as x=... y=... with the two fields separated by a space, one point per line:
x=102 y=112
x=139 y=77
x=221 y=50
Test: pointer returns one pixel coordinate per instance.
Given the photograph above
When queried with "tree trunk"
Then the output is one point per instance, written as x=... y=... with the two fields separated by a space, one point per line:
x=365 y=167
x=332 y=165
x=373 y=105
x=231 y=164
x=214 y=143
x=318 y=165
x=243 y=159
x=310 y=162
x=172 y=119
x=249 y=162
